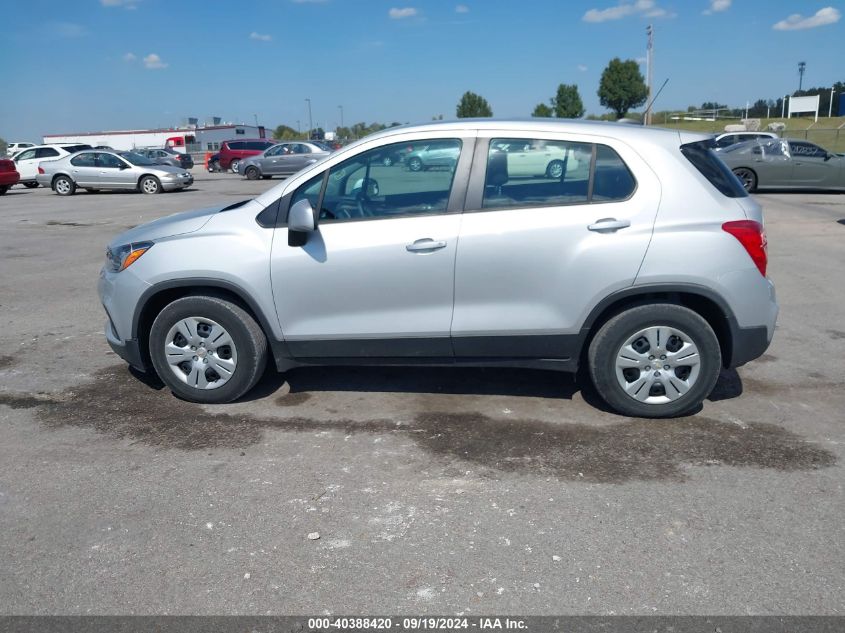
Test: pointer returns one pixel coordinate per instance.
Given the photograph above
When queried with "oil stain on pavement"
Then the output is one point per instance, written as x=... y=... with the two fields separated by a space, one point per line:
x=118 y=405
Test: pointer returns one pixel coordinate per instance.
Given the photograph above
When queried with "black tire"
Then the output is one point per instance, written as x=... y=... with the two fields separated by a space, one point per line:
x=415 y=163
x=246 y=334
x=387 y=161
x=747 y=177
x=213 y=167
x=3 y=189
x=610 y=338
x=554 y=169
x=64 y=186
x=149 y=185
x=252 y=173
x=31 y=185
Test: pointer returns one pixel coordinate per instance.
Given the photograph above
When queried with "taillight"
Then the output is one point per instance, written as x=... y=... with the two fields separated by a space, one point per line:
x=752 y=236
x=41 y=170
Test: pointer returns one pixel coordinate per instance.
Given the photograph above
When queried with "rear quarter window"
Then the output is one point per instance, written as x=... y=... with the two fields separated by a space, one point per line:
x=705 y=160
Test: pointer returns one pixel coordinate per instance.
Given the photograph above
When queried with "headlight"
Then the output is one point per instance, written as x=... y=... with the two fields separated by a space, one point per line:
x=124 y=256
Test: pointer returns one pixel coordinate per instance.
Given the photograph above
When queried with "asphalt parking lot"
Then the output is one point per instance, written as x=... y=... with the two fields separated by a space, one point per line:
x=433 y=490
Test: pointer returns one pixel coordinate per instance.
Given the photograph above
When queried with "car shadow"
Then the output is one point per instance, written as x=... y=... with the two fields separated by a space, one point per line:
x=842 y=221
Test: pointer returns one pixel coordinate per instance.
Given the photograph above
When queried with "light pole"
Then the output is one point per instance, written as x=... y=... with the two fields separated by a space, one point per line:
x=310 y=120
x=801 y=67
x=340 y=107
x=830 y=109
x=783 y=106
x=255 y=116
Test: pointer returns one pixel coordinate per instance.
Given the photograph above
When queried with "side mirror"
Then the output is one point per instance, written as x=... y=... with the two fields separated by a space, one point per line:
x=828 y=156
x=302 y=218
x=123 y=166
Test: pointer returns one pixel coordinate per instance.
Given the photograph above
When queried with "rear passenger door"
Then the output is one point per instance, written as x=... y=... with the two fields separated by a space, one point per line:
x=537 y=252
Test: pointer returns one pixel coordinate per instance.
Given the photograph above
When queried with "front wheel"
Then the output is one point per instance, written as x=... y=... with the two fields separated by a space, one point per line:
x=747 y=177
x=415 y=164
x=555 y=169
x=655 y=361
x=252 y=173
x=149 y=184
x=64 y=186
x=207 y=349
x=387 y=161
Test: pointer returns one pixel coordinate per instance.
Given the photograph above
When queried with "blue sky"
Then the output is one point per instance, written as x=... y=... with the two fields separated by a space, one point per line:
x=118 y=64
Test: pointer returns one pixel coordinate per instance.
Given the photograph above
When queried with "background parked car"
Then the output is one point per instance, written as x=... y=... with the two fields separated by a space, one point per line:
x=167 y=157
x=28 y=160
x=785 y=164
x=14 y=148
x=436 y=154
x=730 y=138
x=283 y=159
x=93 y=170
x=9 y=176
x=231 y=152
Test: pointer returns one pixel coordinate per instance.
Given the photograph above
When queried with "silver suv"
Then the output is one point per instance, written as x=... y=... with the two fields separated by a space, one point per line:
x=640 y=258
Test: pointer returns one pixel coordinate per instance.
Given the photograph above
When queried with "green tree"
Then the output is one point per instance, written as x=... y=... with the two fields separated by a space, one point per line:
x=622 y=86
x=286 y=133
x=473 y=105
x=542 y=110
x=567 y=102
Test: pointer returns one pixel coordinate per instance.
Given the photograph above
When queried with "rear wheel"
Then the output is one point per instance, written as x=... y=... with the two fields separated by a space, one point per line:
x=252 y=173
x=30 y=185
x=207 y=349
x=415 y=164
x=149 y=184
x=234 y=165
x=655 y=361
x=747 y=177
x=64 y=186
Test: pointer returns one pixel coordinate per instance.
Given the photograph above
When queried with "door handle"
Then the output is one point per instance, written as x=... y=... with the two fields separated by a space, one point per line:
x=425 y=245
x=609 y=224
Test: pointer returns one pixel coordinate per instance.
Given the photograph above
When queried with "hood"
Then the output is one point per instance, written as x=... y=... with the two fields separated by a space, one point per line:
x=178 y=224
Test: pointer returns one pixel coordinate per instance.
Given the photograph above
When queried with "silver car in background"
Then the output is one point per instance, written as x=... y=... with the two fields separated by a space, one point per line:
x=283 y=159
x=94 y=170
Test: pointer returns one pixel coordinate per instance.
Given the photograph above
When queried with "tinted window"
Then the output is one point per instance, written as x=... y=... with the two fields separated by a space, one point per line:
x=806 y=149
x=363 y=188
x=46 y=152
x=258 y=145
x=612 y=179
x=85 y=159
x=536 y=173
x=299 y=148
x=705 y=160
x=110 y=161
x=237 y=145
x=72 y=149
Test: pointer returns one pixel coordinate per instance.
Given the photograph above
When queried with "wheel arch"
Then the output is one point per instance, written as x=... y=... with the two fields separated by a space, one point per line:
x=702 y=300
x=56 y=177
x=160 y=295
x=142 y=176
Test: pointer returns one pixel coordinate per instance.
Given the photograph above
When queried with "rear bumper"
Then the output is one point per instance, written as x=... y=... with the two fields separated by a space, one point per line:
x=747 y=344
x=7 y=179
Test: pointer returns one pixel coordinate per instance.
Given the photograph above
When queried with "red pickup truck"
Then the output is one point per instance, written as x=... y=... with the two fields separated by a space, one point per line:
x=8 y=175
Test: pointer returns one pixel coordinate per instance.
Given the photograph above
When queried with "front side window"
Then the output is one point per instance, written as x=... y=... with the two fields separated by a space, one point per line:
x=110 y=161
x=274 y=151
x=363 y=188
x=309 y=191
x=536 y=173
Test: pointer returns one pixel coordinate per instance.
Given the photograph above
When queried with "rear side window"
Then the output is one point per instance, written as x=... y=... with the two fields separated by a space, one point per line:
x=45 y=152
x=701 y=155
x=551 y=173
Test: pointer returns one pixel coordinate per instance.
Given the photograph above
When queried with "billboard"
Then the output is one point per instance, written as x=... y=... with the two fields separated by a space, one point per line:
x=804 y=104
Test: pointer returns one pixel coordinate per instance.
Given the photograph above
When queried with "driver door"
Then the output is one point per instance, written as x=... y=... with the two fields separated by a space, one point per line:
x=376 y=278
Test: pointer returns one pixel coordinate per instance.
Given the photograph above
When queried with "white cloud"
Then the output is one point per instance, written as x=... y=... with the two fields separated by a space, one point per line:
x=67 y=29
x=796 y=21
x=718 y=5
x=643 y=8
x=126 y=4
x=461 y=8
x=154 y=62
x=400 y=14
x=582 y=68
x=129 y=57
x=260 y=37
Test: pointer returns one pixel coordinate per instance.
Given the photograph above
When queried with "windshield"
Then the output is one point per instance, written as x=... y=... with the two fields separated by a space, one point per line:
x=136 y=159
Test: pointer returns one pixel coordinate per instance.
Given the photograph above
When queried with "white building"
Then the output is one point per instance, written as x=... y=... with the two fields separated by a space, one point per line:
x=181 y=139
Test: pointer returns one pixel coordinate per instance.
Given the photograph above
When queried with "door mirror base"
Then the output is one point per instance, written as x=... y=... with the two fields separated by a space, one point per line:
x=297 y=238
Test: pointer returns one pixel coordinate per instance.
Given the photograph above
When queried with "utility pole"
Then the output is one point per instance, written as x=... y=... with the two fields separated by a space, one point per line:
x=649 y=69
x=310 y=120
x=255 y=116
x=830 y=109
x=340 y=107
x=783 y=107
x=801 y=67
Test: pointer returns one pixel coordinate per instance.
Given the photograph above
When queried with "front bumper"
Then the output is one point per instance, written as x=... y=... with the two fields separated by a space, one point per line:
x=177 y=183
x=128 y=350
x=119 y=295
